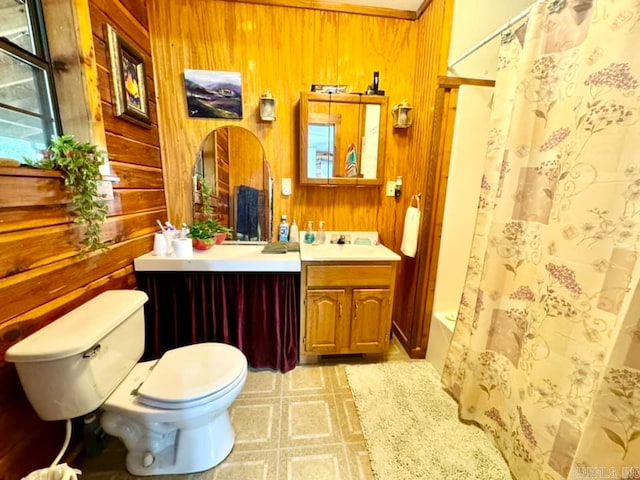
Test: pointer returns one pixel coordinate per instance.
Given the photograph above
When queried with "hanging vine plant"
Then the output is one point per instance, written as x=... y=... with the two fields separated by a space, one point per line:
x=79 y=163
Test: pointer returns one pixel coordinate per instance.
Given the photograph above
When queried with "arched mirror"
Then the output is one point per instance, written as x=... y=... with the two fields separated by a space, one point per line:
x=232 y=183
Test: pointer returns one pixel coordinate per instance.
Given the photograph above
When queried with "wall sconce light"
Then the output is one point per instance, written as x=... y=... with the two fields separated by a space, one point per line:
x=267 y=107
x=398 y=189
x=402 y=117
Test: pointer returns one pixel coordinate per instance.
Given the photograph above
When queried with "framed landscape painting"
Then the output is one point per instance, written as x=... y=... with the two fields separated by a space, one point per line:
x=128 y=84
x=213 y=94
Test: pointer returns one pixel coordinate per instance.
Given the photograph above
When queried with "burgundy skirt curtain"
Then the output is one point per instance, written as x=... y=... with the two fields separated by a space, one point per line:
x=256 y=312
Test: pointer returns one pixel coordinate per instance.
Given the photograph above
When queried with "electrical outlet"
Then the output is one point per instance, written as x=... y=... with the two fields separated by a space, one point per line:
x=391 y=189
x=286 y=186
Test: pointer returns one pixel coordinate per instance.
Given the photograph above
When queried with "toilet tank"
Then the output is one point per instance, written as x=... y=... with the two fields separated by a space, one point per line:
x=71 y=366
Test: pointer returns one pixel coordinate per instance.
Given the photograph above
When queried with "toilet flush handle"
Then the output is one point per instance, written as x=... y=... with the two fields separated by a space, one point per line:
x=148 y=459
x=92 y=352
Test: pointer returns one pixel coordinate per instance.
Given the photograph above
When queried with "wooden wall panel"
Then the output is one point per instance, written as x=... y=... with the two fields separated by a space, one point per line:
x=128 y=130
x=137 y=8
x=21 y=191
x=122 y=149
x=128 y=201
x=16 y=219
x=308 y=46
x=222 y=207
x=63 y=277
x=53 y=244
x=136 y=176
x=421 y=177
x=41 y=274
x=249 y=166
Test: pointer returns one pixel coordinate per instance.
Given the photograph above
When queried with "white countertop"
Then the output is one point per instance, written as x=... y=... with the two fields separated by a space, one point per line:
x=249 y=257
x=348 y=253
x=222 y=258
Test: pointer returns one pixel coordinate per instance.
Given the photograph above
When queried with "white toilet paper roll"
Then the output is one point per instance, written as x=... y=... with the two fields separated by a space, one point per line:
x=182 y=248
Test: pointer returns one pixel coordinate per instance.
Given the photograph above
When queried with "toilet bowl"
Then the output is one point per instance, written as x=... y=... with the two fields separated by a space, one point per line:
x=171 y=413
x=169 y=419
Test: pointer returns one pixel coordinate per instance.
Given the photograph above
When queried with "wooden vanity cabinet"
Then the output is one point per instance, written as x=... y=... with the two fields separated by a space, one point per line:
x=346 y=307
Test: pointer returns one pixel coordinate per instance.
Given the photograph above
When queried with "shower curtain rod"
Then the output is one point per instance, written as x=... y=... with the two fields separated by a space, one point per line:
x=491 y=36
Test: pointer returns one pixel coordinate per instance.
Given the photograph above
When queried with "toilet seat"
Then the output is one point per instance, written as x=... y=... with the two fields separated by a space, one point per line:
x=189 y=376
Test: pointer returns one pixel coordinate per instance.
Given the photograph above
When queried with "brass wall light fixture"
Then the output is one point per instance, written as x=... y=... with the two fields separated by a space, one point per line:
x=267 y=107
x=402 y=117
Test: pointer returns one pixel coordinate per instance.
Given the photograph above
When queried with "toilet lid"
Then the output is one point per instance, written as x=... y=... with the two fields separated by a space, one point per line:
x=189 y=373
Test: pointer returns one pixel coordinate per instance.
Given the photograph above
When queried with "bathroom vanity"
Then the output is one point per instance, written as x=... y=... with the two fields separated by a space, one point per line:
x=346 y=297
x=235 y=294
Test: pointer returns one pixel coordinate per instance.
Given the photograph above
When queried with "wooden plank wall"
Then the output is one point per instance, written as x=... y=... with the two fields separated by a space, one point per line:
x=41 y=275
x=409 y=316
x=286 y=50
x=412 y=328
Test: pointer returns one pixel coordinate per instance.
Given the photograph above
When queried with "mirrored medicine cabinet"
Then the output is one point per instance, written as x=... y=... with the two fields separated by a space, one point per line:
x=342 y=138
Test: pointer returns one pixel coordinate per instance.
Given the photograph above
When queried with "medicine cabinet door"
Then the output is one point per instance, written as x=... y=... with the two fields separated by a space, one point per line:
x=342 y=139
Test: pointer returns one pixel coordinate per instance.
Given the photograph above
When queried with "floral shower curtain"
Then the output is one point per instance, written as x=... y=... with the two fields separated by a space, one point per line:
x=546 y=352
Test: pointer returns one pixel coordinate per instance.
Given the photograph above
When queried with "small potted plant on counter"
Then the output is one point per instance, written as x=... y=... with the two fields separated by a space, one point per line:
x=204 y=234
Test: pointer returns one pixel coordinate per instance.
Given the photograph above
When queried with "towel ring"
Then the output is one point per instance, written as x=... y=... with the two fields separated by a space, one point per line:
x=417 y=199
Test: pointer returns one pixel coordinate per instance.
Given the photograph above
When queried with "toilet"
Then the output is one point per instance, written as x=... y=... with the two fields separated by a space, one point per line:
x=171 y=414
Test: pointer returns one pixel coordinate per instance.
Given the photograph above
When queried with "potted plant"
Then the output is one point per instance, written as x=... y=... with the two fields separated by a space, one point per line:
x=79 y=163
x=204 y=234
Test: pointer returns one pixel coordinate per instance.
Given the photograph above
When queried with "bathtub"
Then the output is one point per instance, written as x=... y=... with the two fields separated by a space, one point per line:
x=442 y=325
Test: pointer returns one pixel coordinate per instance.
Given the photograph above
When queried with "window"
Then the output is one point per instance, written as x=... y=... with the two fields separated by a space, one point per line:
x=28 y=112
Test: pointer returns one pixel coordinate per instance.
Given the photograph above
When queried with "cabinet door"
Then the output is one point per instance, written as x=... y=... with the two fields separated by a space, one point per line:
x=324 y=319
x=342 y=138
x=371 y=322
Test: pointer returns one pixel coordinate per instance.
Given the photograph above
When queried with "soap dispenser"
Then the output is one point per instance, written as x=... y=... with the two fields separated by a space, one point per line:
x=294 y=236
x=309 y=236
x=320 y=236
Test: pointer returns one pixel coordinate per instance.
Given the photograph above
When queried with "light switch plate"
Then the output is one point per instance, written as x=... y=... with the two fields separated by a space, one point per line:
x=391 y=189
x=286 y=186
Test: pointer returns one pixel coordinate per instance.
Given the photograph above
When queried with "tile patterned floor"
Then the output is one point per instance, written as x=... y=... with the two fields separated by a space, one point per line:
x=301 y=425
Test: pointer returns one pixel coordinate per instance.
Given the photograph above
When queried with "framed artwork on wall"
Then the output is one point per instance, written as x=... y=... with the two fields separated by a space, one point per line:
x=128 y=80
x=213 y=94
